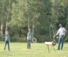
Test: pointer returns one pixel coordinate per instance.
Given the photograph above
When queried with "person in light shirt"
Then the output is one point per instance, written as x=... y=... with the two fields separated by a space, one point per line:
x=29 y=37
x=61 y=31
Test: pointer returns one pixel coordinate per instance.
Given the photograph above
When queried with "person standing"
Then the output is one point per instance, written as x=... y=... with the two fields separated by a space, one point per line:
x=61 y=31
x=29 y=37
x=7 y=40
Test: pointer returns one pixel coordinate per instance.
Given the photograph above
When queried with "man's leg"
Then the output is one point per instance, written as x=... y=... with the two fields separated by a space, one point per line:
x=62 y=42
x=59 y=43
x=29 y=43
x=8 y=46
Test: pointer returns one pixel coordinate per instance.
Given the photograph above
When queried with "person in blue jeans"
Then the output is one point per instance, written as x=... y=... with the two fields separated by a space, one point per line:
x=61 y=33
x=7 y=40
x=29 y=37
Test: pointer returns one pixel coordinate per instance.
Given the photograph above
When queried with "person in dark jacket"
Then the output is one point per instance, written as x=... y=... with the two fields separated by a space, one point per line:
x=7 y=40
x=29 y=37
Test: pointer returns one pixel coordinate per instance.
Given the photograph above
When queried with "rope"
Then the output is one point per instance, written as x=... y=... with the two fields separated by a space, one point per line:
x=53 y=40
x=34 y=40
x=50 y=31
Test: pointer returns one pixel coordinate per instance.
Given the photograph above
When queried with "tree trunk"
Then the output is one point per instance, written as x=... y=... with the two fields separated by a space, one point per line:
x=28 y=23
x=2 y=20
x=7 y=16
x=2 y=30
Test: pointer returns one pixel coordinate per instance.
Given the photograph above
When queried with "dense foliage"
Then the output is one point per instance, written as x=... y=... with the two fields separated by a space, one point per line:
x=17 y=16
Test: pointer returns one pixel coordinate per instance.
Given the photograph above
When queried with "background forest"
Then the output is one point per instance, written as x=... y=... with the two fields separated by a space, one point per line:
x=17 y=16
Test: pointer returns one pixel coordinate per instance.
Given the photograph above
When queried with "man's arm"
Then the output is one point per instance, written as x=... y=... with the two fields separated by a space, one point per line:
x=56 y=34
x=32 y=35
x=9 y=39
x=3 y=34
x=65 y=30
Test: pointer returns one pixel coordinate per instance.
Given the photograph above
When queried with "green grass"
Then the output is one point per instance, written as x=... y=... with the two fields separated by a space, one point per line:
x=38 y=50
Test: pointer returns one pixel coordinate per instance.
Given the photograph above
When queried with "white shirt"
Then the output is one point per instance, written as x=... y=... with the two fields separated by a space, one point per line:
x=61 y=31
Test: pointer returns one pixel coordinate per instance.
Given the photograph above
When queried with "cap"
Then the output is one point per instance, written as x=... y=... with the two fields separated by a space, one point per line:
x=60 y=24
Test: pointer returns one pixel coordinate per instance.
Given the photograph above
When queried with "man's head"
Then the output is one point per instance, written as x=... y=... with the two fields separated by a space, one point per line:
x=7 y=33
x=60 y=25
x=29 y=30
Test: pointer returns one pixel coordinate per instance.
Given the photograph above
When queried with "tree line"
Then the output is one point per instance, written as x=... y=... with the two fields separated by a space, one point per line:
x=17 y=16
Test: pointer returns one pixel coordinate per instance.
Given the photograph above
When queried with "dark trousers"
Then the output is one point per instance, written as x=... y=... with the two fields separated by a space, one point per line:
x=6 y=42
x=28 y=43
x=61 y=40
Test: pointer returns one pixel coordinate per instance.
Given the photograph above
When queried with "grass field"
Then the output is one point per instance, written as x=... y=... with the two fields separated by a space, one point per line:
x=38 y=50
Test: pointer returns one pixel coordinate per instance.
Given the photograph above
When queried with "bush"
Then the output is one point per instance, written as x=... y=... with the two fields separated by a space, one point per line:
x=17 y=39
x=13 y=39
x=24 y=39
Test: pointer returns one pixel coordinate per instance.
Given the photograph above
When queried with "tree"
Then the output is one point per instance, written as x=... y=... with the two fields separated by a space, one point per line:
x=4 y=14
x=36 y=13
